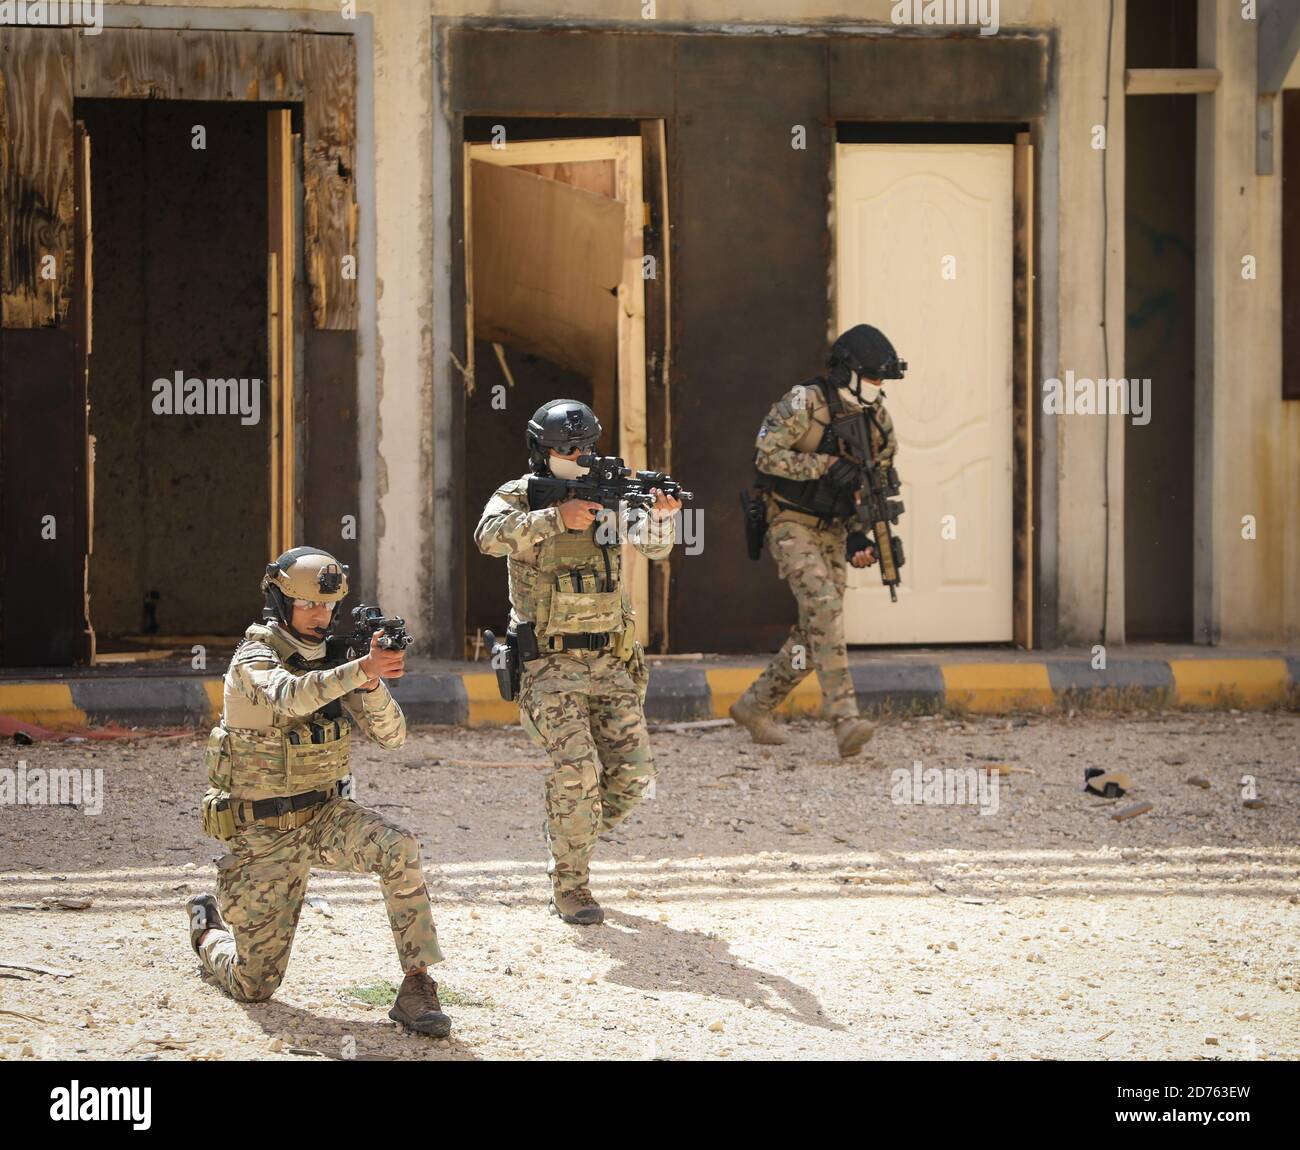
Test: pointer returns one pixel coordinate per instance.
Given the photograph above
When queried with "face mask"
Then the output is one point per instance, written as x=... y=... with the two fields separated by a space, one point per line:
x=309 y=649
x=567 y=468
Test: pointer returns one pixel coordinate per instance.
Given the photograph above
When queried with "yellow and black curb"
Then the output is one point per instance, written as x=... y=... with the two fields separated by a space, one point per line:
x=680 y=694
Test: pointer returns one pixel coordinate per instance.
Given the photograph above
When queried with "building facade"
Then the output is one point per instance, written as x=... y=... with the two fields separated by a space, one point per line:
x=392 y=228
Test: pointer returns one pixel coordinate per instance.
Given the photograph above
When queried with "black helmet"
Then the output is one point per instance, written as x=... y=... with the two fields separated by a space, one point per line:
x=562 y=425
x=865 y=350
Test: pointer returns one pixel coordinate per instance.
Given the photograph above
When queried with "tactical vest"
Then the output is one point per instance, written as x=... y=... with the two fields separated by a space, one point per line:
x=251 y=757
x=575 y=586
x=817 y=497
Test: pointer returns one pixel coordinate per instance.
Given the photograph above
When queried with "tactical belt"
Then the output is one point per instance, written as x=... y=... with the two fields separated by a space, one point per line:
x=807 y=497
x=808 y=518
x=284 y=807
x=593 y=641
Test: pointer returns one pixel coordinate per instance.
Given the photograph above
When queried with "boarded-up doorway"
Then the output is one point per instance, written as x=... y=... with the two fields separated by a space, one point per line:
x=299 y=89
x=182 y=473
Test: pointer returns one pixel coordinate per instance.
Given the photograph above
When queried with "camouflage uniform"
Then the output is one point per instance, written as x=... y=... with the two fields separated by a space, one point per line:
x=809 y=553
x=584 y=707
x=279 y=736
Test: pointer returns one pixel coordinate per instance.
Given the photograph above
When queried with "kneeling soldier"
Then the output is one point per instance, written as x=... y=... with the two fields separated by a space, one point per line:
x=278 y=765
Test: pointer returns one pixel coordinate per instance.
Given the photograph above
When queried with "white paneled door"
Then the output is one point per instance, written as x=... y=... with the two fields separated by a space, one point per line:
x=924 y=252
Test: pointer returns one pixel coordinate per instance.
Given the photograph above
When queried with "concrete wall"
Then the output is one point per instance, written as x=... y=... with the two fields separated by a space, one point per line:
x=1255 y=438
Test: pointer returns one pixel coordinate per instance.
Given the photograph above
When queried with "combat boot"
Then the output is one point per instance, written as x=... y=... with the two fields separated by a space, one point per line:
x=852 y=735
x=757 y=722
x=577 y=906
x=417 y=1006
x=202 y=909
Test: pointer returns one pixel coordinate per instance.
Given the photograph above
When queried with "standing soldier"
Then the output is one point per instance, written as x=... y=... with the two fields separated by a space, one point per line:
x=582 y=675
x=278 y=764
x=808 y=491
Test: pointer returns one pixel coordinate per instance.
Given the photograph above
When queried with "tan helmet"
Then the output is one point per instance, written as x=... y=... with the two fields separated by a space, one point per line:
x=303 y=573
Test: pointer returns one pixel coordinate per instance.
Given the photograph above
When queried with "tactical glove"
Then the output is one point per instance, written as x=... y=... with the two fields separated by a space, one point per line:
x=857 y=541
x=843 y=475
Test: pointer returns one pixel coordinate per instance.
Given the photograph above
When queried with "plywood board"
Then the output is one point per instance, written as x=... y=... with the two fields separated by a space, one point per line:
x=548 y=260
x=37 y=268
x=329 y=181
x=189 y=64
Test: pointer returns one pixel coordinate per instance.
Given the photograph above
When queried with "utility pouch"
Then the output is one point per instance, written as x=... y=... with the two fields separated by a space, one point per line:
x=317 y=752
x=505 y=661
x=578 y=608
x=216 y=760
x=625 y=644
x=218 y=818
x=526 y=642
x=755 y=524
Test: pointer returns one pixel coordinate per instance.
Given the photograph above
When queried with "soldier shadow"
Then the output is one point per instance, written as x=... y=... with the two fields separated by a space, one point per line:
x=321 y=1036
x=699 y=964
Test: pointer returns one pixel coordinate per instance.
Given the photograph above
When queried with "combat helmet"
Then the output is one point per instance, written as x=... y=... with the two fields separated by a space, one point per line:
x=303 y=573
x=560 y=425
x=865 y=350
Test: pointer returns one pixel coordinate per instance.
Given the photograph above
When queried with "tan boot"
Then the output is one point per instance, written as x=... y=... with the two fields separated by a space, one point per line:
x=757 y=722
x=577 y=906
x=852 y=735
x=417 y=1006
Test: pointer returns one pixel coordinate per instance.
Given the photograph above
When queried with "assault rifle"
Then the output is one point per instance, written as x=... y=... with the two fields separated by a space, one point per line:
x=876 y=507
x=365 y=622
x=607 y=482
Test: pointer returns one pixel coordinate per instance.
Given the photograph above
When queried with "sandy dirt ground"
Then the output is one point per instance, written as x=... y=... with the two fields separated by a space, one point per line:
x=764 y=903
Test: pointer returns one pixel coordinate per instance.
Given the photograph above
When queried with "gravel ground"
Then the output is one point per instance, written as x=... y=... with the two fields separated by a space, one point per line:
x=764 y=903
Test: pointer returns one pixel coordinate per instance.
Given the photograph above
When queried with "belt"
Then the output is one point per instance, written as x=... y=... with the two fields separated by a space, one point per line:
x=593 y=641
x=291 y=811
x=806 y=518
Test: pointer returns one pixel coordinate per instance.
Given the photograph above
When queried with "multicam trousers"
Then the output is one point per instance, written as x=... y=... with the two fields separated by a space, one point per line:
x=263 y=880
x=585 y=709
x=812 y=560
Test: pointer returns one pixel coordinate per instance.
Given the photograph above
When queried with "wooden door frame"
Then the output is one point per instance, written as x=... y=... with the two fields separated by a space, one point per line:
x=628 y=157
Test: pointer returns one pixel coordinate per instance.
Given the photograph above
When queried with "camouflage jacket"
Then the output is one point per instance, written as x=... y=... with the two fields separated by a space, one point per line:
x=510 y=529
x=800 y=411
x=263 y=690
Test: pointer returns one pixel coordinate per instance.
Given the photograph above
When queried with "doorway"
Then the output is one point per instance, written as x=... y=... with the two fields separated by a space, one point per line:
x=556 y=307
x=1160 y=188
x=924 y=251
x=185 y=403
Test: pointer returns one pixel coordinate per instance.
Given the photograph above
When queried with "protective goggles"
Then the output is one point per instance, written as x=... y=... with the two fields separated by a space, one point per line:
x=307 y=604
